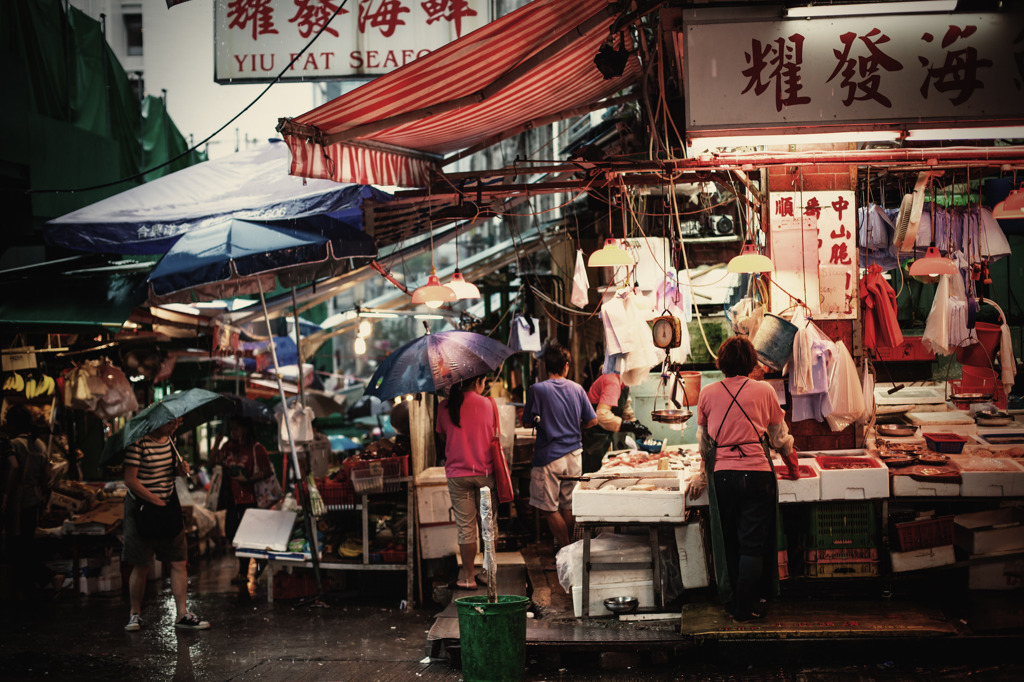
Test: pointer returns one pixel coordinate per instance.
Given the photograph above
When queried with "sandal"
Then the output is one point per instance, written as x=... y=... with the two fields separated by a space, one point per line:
x=465 y=586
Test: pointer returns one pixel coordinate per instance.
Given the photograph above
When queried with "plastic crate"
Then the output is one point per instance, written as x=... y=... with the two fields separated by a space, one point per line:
x=393 y=556
x=392 y=469
x=840 y=556
x=783 y=564
x=848 y=569
x=923 y=534
x=838 y=525
x=336 y=496
x=946 y=443
x=999 y=398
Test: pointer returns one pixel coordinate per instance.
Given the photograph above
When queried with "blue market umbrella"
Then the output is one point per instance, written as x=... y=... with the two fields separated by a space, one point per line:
x=237 y=256
x=434 y=362
x=194 y=406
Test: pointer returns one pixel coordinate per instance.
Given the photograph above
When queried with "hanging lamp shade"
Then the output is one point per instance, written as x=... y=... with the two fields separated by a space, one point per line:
x=611 y=254
x=749 y=261
x=433 y=294
x=932 y=264
x=461 y=287
x=1011 y=207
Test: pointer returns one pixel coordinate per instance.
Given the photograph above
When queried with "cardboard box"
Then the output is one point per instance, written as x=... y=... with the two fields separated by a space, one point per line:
x=988 y=532
x=998 y=575
x=642 y=590
x=433 y=502
x=922 y=558
x=1008 y=482
x=853 y=484
x=806 y=489
x=607 y=499
x=439 y=540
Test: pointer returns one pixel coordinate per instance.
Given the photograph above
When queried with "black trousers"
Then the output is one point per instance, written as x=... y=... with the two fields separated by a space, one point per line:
x=746 y=507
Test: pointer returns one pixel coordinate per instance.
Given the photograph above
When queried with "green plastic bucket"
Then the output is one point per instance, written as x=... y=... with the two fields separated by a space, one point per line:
x=493 y=637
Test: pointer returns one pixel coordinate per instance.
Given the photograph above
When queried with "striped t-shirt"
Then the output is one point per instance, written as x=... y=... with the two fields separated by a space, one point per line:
x=155 y=461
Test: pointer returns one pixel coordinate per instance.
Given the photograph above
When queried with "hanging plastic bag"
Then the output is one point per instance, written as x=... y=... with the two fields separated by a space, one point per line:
x=119 y=397
x=300 y=421
x=845 y=391
x=868 y=391
x=525 y=334
x=936 y=329
x=580 y=283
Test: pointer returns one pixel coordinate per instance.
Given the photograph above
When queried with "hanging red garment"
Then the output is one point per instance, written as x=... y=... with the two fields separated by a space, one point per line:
x=878 y=300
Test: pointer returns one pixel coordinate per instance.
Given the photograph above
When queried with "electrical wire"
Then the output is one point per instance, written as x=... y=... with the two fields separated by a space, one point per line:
x=212 y=135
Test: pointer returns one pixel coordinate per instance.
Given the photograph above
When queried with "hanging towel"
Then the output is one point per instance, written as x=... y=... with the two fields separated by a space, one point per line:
x=936 y=329
x=580 y=283
x=1007 y=363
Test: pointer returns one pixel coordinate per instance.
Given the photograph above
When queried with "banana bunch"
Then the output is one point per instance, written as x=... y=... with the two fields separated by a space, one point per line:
x=15 y=383
x=45 y=386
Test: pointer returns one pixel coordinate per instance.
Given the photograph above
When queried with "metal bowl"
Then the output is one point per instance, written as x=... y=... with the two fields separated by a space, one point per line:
x=621 y=604
x=895 y=430
x=671 y=416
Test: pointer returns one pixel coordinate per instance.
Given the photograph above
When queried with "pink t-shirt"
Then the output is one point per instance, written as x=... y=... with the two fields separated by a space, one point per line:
x=761 y=404
x=467 y=447
x=605 y=390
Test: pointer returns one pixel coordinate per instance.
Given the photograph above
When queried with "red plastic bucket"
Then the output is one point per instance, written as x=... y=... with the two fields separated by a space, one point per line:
x=977 y=378
x=988 y=340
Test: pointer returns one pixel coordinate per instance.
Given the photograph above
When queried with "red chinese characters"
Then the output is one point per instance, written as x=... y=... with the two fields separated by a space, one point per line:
x=311 y=15
x=385 y=15
x=777 y=63
x=866 y=68
x=449 y=10
x=257 y=15
x=959 y=72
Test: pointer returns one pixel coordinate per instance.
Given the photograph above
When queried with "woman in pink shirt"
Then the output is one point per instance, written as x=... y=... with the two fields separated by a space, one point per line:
x=465 y=421
x=738 y=419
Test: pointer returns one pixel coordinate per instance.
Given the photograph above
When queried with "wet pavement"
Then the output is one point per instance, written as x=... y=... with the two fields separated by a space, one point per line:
x=364 y=633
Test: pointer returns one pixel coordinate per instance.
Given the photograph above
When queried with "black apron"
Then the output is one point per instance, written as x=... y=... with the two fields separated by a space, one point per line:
x=717 y=539
x=597 y=440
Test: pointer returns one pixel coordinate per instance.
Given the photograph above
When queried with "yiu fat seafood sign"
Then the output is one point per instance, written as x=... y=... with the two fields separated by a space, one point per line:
x=254 y=40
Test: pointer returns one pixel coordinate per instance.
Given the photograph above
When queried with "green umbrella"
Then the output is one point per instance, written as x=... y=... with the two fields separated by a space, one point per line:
x=193 y=407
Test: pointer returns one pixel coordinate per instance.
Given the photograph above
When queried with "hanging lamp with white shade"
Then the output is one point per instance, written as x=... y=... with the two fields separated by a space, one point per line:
x=1012 y=207
x=932 y=264
x=433 y=294
x=463 y=289
x=749 y=261
x=611 y=254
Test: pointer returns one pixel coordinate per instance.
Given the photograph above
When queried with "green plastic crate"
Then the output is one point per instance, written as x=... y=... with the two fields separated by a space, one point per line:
x=842 y=525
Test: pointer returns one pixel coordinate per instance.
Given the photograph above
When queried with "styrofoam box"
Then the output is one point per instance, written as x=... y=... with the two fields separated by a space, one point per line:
x=917 y=559
x=997 y=448
x=985 y=532
x=1007 y=483
x=693 y=564
x=803 y=489
x=433 y=502
x=439 y=540
x=906 y=486
x=666 y=503
x=643 y=590
x=854 y=484
x=998 y=575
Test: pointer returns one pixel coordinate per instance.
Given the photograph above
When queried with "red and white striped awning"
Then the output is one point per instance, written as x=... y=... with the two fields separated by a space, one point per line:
x=535 y=64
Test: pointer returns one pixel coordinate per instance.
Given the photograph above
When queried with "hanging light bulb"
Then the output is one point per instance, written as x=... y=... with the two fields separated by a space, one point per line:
x=1011 y=207
x=932 y=264
x=461 y=287
x=749 y=261
x=611 y=254
x=365 y=328
x=433 y=294
x=360 y=346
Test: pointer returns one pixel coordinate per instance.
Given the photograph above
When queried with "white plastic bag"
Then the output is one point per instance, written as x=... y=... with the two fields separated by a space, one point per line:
x=868 y=391
x=521 y=338
x=746 y=317
x=936 y=329
x=844 y=391
x=580 y=283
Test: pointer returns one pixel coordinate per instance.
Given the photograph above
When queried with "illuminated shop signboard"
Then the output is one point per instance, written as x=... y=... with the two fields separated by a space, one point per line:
x=846 y=72
x=255 y=39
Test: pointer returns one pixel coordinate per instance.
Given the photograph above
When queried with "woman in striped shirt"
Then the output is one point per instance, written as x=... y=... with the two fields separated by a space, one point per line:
x=150 y=466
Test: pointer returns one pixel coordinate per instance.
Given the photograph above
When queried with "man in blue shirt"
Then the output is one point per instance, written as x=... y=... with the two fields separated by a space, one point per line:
x=560 y=409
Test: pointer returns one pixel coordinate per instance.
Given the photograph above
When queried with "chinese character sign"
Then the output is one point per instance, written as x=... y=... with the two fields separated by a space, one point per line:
x=854 y=69
x=254 y=40
x=814 y=249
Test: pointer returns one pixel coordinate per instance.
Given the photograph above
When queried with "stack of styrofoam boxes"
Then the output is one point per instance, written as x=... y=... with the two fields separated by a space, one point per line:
x=98 y=575
x=991 y=477
x=439 y=536
x=906 y=486
x=870 y=481
x=923 y=542
x=843 y=541
x=602 y=499
x=609 y=549
x=992 y=533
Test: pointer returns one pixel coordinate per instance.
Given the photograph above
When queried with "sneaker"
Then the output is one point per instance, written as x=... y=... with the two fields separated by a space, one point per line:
x=191 y=621
x=134 y=623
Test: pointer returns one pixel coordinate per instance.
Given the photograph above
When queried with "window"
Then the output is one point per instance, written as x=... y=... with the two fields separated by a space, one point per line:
x=133 y=34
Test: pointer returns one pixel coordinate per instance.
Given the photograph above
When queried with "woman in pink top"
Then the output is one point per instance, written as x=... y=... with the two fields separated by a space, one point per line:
x=465 y=422
x=738 y=418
